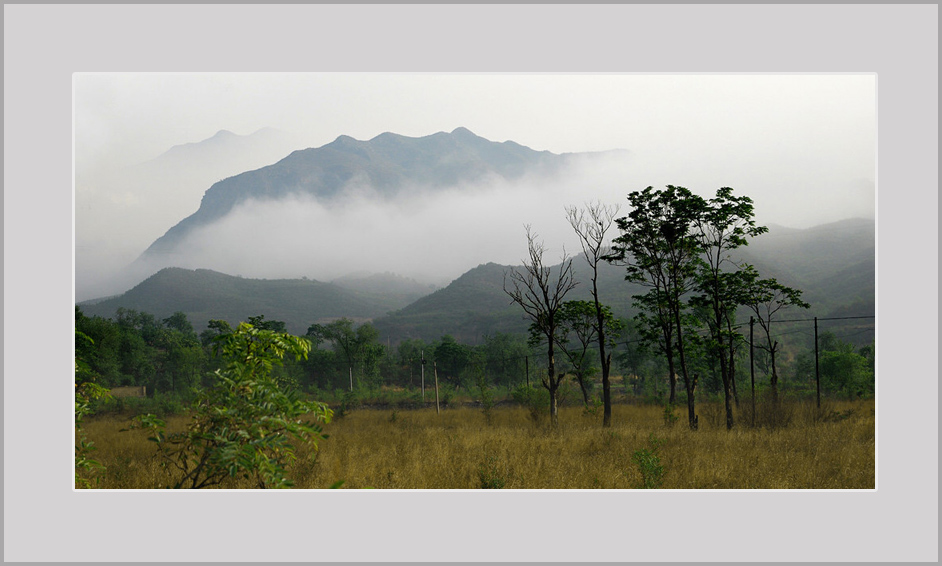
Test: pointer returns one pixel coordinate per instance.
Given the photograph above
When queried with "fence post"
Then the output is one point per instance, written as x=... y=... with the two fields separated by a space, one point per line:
x=752 y=368
x=817 y=374
x=423 y=378
x=438 y=409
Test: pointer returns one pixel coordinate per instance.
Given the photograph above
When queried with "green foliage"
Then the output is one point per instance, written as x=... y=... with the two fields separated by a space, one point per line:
x=490 y=474
x=86 y=391
x=242 y=427
x=669 y=417
x=649 y=464
x=534 y=399
x=487 y=397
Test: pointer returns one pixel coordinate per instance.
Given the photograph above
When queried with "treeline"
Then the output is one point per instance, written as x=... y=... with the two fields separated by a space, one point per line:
x=173 y=361
x=682 y=249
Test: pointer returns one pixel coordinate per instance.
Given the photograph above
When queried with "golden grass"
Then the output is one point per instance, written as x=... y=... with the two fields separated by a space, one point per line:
x=419 y=449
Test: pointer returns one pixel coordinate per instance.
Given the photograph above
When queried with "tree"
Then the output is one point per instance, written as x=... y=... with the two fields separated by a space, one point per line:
x=579 y=331
x=723 y=224
x=765 y=298
x=86 y=391
x=452 y=358
x=659 y=249
x=357 y=346
x=844 y=370
x=243 y=426
x=591 y=224
x=505 y=357
x=540 y=294
x=260 y=322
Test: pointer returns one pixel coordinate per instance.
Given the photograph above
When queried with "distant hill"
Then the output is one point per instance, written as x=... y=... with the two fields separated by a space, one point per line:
x=388 y=163
x=203 y=295
x=832 y=264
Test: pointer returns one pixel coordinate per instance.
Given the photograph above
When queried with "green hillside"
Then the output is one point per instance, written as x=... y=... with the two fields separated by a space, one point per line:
x=833 y=265
x=204 y=294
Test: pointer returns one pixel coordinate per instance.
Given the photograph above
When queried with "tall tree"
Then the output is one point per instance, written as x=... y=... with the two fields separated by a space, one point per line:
x=723 y=224
x=578 y=334
x=765 y=298
x=540 y=292
x=357 y=346
x=659 y=249
x=591 y=224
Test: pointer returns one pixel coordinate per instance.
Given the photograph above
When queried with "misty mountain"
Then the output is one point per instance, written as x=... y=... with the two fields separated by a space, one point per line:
x=140 y=201
x=204 y=295
x=832 y=264
x=384 y=165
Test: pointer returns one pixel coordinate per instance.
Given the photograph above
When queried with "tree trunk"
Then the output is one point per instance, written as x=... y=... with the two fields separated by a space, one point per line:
x=691 y=386
x=585 y=393
x=606 y=393
x=671 y=376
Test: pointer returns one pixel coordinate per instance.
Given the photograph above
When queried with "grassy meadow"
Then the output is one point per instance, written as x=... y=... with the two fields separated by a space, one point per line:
x=831 y=448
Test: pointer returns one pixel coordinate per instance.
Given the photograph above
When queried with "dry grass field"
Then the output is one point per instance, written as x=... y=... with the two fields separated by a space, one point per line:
x=418 y=449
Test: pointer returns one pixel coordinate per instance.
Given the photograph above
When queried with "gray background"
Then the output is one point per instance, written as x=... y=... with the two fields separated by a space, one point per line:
x=46 y=520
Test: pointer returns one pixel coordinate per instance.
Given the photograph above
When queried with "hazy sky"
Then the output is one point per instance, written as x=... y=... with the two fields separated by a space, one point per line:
x=802 y=146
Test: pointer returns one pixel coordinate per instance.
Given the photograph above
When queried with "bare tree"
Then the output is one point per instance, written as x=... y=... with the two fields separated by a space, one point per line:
x=591 y=224
x=540 y=294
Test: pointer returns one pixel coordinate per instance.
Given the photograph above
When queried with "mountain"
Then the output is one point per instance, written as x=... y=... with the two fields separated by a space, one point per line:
x=832 y=264
x=203 y=295
x=140 y=201
x=388 y=164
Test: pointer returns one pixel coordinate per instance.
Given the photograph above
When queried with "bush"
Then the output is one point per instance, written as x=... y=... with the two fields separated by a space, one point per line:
x=242 y=427
x=649 y=464
x=490 y=475
x=536 y=400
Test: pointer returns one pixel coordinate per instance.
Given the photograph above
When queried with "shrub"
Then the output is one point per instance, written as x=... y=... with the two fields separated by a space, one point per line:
x=536 y=400
x=242 y=426
x=490 y=475
x=669 y=417
x=649 y=463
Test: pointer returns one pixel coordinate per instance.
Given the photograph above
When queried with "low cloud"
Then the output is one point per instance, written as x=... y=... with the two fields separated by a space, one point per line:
x=435 y=235
x=430 y=235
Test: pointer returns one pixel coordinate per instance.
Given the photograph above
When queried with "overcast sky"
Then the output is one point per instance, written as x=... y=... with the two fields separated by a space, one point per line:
x=803 y=146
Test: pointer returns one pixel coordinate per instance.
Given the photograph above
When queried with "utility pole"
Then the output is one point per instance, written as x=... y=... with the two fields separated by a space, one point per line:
x=817 y=374
x=752 y=369
x=438 y=409
x=351 y=378
x=423 y=377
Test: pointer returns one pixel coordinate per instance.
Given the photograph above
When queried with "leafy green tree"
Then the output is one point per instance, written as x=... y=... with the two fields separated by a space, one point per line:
x=273 y=325
x=179 y=322
x=660 y=250
x=592 y=224
x=357 y=347
x=723 y=224
x=452 y=359
x=578 y=334
x=86 y=391
x=540 y=294
x=842 y=369
x=505 y=357
x=243 y=426
x=765 y=298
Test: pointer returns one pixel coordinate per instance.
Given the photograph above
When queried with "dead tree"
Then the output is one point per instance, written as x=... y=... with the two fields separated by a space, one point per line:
x=540 y=290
